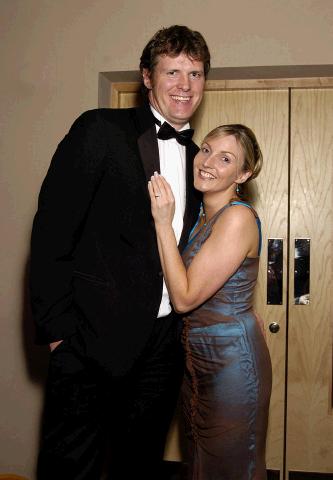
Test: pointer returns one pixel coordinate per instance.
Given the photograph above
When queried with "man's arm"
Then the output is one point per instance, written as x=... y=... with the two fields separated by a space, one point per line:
x=65 y=197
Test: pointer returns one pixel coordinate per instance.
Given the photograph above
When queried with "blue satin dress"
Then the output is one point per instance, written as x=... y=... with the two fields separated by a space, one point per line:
x=227 y=384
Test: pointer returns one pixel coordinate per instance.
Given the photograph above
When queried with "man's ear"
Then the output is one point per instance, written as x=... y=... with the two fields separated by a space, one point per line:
x=146 y=76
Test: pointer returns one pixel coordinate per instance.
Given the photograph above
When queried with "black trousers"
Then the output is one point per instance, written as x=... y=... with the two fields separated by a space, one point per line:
x=94 y=423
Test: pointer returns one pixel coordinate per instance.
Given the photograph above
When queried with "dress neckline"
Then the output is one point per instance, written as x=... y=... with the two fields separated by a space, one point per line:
x=206 y=224
x=218 y=212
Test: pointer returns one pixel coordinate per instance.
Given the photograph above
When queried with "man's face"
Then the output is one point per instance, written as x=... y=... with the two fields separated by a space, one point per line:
x=175 y=87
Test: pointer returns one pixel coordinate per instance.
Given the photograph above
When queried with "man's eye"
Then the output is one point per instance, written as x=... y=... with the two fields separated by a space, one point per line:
x=196 y=74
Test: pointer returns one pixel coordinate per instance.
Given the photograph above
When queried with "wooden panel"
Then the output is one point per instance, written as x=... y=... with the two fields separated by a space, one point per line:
x=112 y=85
x=266 y=112
x=124 y=95
x=310 y=418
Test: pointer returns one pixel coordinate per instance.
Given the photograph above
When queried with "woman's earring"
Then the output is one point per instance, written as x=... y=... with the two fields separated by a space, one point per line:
x=237 y=188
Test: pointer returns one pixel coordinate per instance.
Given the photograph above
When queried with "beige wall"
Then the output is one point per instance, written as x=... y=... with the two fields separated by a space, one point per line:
x=51 y=52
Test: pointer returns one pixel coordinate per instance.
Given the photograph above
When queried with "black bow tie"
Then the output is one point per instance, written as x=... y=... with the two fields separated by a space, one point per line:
x=166 y=131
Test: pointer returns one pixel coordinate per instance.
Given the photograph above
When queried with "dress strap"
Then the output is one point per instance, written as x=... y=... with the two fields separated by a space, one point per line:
x=210 y=221
x=197 y=222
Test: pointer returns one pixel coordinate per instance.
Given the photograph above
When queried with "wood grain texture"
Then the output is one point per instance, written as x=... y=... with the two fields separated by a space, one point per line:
x=310 y=419
x=263 y=105
x=113 y=89
x=266 y=113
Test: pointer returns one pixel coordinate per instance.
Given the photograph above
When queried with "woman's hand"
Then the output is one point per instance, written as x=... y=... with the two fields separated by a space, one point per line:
x=162 y=200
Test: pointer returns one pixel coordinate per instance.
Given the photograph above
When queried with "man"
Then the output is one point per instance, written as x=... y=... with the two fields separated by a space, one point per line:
x=96 y=284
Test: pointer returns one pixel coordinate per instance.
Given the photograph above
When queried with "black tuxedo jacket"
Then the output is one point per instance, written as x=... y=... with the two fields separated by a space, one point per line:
x=95 y=269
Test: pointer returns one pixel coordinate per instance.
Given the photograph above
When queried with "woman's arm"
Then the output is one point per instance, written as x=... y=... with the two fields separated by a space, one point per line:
x=231 y=240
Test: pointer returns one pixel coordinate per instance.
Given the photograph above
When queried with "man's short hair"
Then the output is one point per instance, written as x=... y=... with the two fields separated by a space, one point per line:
x=173 y=41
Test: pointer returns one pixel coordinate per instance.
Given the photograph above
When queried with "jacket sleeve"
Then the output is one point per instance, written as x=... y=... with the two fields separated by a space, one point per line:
x=66 y=194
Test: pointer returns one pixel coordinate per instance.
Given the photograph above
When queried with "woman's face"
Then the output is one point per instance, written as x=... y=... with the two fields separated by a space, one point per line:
x=218 y=166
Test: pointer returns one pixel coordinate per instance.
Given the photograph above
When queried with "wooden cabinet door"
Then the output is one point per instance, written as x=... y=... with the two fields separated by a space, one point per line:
x=266 y=113
x=293 y=196
x=309 y=441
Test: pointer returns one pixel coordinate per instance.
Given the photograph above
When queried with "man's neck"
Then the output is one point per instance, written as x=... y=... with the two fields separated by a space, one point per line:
x=162 y=119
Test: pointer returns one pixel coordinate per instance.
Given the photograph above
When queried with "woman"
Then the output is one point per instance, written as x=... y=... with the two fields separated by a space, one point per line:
x=227 y=382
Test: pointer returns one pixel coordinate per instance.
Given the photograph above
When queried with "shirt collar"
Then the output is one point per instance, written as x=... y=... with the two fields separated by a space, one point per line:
x=162 y=119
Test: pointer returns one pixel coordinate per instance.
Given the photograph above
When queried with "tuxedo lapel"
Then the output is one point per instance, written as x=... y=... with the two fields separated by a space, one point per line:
x=192 y=196
x=147 y=141
x=148 y=149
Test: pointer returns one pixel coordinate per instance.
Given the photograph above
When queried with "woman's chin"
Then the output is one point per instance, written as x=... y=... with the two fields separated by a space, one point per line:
x=200 y=185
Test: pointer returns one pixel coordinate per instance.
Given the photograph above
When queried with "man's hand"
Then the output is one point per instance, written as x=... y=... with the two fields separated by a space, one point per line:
x=54 y=345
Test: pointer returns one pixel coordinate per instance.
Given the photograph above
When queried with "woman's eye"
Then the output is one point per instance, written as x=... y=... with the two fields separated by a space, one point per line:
x=204 y=149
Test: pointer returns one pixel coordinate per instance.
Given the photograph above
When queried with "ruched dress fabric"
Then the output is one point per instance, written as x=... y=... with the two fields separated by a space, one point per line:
x=227 y=384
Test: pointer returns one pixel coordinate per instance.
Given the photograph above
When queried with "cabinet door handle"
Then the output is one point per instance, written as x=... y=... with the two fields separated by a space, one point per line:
x=274 y=327
x=275 y=271
x=302 y=271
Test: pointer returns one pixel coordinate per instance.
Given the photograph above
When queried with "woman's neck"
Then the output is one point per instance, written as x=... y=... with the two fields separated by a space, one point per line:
x=212 y=204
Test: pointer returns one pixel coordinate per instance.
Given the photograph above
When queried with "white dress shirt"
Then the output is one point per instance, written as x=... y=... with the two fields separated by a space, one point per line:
x=173 y=168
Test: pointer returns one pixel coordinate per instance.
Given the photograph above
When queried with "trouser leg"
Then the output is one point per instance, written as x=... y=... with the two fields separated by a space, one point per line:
x=72 y=436
x=151 y=396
